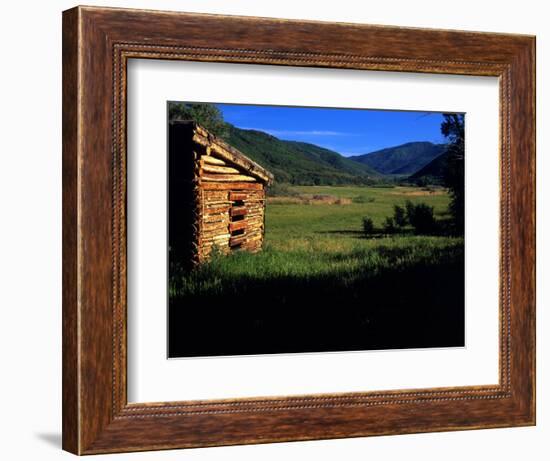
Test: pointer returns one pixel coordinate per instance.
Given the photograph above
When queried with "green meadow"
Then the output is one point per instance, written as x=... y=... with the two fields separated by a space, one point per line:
x=294 y=224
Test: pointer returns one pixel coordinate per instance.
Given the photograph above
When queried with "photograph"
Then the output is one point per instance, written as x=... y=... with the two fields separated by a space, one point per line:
x=313 y=229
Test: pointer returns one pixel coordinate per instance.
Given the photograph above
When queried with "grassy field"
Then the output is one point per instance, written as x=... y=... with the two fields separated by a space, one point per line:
x=320 y=284
x=291 y=225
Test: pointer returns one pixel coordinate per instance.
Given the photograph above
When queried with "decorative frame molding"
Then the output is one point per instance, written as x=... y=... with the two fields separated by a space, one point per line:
x=97 y=43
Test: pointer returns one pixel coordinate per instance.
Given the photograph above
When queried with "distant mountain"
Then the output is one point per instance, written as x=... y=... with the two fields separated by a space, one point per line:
x=433 y=172
x=299 y=162
x=405 y=159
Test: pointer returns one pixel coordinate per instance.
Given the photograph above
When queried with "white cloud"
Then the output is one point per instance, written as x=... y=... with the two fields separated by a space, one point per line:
x=299 y=132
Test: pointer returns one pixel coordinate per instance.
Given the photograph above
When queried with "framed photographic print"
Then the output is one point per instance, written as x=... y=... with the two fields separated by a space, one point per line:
x=283 y=230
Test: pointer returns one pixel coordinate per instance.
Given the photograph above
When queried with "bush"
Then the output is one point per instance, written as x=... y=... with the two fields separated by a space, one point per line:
x=399 y=216
x=409 y=209
x=421 y=217
x=389 y=225
x=368 y=225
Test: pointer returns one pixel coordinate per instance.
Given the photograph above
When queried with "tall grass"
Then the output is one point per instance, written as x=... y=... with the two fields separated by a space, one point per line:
x=311 y=259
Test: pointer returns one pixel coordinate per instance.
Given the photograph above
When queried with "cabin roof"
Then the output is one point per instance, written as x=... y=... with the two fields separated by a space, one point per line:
x=227 y=152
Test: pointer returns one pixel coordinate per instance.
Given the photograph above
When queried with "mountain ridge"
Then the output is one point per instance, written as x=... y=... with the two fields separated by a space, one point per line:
x=404 y=159
x=433 y=172
x=303 y=163
x=299 y=162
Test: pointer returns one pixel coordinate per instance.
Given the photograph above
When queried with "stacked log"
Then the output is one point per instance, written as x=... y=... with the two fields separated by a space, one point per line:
x=233 y=205
x=214 y=218
x=254 y=204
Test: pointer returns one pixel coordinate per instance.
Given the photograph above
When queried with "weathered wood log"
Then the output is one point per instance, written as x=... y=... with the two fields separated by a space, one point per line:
x=239 y=196
x=227 y=177
x=218 y=245
x=216 y=208
x=213 y=229
x=258 y=194
x=211 y=226
x=238 y=211
x=254 y=211
x=215 y=238
x=215 y=204
x=237 y=225
x=212 y=160
x=214 y=195
x=202 y=140
x=255 y=218
x=230 y=185
x=219 y=169
x=237 y=240
x=215 y=232
x=230 y=154
x=214 y=218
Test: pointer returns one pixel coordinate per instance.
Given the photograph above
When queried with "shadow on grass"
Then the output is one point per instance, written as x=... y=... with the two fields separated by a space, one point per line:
x=443 y=228
x=357 y=233
x=375 y=234
x=406 y=303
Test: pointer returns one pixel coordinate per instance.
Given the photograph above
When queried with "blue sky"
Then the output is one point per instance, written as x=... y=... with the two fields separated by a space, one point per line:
x=347 y=131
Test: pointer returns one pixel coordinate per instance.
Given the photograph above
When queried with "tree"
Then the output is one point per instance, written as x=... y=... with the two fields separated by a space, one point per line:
x=206 y=115
x=389 y=225
x=399 y=216
x=368 y=225
x=453 y=129
x=422 y=219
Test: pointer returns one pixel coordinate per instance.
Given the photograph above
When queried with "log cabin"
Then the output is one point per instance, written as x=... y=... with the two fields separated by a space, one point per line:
x=216 y=196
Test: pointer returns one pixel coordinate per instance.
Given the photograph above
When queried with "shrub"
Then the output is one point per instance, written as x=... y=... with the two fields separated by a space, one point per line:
x=399 y=216
x=421 y=217
x=409 y=208
x=368 y=225
x=389 y=225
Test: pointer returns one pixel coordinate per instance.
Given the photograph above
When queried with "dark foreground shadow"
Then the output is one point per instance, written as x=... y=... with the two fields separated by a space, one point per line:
x=379 y=234
x=419 y=305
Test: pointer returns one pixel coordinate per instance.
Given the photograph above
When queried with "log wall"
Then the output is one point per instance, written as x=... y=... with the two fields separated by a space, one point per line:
x=231 y=201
